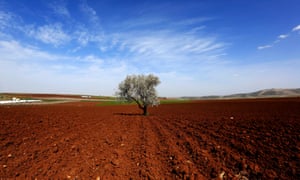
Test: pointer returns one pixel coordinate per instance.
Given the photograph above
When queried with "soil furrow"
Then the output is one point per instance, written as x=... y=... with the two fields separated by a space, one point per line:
x=179 y=158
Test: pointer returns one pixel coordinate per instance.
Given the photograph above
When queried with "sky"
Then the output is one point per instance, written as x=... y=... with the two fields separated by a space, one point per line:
x=195 y=47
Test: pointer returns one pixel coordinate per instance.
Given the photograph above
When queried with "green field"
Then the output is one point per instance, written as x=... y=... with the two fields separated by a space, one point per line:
x=164 y=101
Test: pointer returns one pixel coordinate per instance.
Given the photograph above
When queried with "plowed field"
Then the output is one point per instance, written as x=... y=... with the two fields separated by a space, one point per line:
x=225 y=139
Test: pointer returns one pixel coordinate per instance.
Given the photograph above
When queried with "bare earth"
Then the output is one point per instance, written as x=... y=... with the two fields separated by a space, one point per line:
x=225 y=139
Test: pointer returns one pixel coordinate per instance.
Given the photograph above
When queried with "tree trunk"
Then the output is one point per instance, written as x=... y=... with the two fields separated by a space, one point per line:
x=145 y=109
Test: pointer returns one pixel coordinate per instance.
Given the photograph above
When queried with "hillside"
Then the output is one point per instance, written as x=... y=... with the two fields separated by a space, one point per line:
x=257 y=94
x=267 y=93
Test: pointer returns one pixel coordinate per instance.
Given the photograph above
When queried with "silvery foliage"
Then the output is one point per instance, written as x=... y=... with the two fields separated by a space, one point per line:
x=140 y=89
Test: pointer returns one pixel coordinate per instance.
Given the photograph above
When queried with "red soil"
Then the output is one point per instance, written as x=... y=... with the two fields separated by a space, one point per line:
x=232 y=139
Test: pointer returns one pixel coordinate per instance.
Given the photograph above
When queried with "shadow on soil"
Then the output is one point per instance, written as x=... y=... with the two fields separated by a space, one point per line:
x=128 y=114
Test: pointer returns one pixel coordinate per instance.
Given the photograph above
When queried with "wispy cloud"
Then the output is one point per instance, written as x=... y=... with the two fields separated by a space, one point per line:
x=167 y=48
x=264 y=47
x=279 y=39
x=51 y=34
x=14 y=51
x=196 y=29
x=84 y=36
x=59 y=8
x=143 y=22
x=54 y=34
x=20 y=53
x=283 y=36
x=5 y=19
x=89 y=12
x=27 y=66
x=92 y=59
x=193 y=21
x=297 y=28
x=9 y=23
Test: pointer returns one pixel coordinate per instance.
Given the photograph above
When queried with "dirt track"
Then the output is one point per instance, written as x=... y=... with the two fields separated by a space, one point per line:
x=202 y=140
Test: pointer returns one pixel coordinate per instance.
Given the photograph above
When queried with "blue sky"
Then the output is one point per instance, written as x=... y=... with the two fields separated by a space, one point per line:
x=195 y=47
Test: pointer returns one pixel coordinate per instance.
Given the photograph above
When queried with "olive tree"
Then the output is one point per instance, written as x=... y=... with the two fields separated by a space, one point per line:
x=140 y=89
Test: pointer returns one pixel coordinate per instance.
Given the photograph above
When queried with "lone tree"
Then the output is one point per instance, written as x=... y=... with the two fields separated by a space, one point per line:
x=140 y=89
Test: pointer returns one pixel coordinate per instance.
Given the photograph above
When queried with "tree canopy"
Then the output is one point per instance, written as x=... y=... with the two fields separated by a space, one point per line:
x=140 y=89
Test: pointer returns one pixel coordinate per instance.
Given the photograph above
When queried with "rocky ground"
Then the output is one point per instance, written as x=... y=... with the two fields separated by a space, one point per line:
x=224 y=139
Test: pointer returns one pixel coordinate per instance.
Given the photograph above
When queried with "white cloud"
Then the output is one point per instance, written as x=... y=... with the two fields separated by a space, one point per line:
x=27 y=67
x=264 y=47
x=279 y=39
x=14 y=51
x=5 y=19
x=159 y=39
x=142 y=22
x=283 y=36
x=51 y=34
x=196 y=29
x=193 y=21
x=90 y=13
x=297 y=28
x=83 y=37
x=60 y=9
x=93 y=59
x=168 y=45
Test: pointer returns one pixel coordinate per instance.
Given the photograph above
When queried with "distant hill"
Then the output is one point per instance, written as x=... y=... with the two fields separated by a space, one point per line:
x=267 y=93
x=257 y=94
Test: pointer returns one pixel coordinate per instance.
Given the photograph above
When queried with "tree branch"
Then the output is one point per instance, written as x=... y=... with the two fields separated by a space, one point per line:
x=139 y=104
